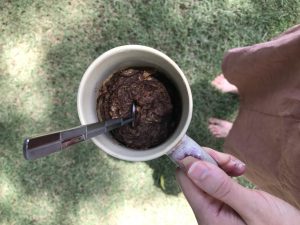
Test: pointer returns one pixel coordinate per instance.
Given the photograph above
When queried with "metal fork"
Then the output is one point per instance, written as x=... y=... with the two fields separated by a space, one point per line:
x=44 y=145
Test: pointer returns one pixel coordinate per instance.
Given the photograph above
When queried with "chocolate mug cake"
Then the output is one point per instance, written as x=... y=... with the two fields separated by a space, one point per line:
x=155 y=99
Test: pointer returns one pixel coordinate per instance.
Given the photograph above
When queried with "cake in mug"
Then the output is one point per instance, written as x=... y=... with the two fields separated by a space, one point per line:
x=155 y=99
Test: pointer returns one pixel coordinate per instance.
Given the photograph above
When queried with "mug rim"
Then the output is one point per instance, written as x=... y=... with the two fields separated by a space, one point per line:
x=123 y=48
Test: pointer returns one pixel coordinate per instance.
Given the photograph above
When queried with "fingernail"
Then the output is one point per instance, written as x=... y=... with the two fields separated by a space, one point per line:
x=239 y=164
x=186 y=163
x=198 y=171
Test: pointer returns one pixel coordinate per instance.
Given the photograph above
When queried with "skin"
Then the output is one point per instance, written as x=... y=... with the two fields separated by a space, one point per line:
x=223 y=85
x=219 y=128
x=217 y=199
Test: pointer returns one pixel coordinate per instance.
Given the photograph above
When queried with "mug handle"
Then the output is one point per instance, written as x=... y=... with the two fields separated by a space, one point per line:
x=188 y=147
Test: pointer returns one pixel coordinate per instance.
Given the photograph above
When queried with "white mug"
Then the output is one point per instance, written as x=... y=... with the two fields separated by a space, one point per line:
x=178 y=145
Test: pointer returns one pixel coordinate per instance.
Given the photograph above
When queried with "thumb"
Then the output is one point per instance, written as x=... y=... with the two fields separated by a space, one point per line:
x=216 y=183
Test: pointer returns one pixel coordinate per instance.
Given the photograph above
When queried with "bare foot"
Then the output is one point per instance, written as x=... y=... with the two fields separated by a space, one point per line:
x=219 y=128
x=222 y=84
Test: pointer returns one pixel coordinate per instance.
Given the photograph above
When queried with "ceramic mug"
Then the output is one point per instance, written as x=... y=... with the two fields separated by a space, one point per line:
x=178 y=145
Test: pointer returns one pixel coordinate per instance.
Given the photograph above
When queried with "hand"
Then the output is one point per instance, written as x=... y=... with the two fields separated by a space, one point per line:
x=217 y=199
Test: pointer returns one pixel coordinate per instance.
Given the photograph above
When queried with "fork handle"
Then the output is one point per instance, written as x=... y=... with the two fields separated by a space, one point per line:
x=37 y=147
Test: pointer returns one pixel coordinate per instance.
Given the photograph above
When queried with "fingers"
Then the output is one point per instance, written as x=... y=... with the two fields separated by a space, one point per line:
x=215 y=182
x=230 y=164
x=216 y=199
x=198 y=200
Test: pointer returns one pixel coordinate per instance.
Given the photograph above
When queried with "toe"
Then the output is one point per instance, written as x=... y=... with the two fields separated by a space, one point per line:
x=214 y=120
x=217 y=81
x=216 y=131
x=211 y=120
x=213 y=127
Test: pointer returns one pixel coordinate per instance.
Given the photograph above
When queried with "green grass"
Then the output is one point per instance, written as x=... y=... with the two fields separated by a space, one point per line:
x=45 y=47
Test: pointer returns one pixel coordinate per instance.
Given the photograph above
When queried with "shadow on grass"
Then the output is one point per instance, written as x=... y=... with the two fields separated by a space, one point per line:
x=190 y=35
x=67 y=61
x=276 y=15
x=71 y=176
x=239 y=28
x=207 y=103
